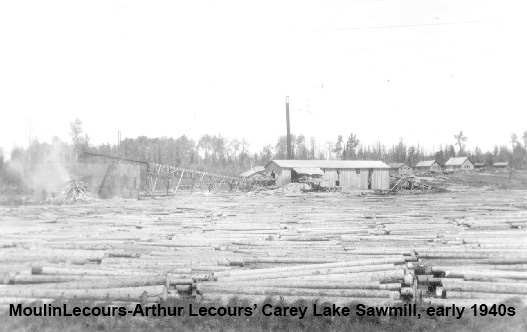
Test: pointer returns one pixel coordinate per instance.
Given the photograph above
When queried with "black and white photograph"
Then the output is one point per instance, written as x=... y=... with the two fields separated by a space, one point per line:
x=249 y=165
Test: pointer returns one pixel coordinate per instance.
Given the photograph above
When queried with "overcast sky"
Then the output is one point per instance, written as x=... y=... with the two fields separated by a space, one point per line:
x=384 y=69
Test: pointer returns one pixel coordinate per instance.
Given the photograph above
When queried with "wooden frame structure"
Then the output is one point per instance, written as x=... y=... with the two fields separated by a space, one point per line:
x=172 y=177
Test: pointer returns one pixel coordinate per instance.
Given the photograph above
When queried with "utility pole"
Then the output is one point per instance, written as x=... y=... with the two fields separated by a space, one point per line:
x=289 y=154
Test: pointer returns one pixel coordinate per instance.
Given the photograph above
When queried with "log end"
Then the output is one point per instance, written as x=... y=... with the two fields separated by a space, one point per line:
x=36 y=270
x=6 y=278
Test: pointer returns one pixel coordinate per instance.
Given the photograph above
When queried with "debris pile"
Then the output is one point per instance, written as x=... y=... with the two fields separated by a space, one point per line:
x=75 y=191
x=410 y=183
x=296 y=187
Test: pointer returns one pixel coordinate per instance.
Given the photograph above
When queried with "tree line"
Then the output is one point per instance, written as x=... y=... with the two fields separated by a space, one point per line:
x=219 y=154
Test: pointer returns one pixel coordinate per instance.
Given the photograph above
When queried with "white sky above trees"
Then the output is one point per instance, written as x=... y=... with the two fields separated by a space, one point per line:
x=421 y=70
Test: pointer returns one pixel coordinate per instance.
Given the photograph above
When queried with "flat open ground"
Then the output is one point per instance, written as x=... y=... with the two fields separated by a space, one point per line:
x=460 y=247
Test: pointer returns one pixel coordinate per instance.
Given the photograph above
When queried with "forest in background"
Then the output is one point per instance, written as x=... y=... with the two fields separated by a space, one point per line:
x=215 y=153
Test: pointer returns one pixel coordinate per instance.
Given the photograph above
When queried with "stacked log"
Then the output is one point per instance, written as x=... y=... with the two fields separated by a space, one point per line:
x=331 y=246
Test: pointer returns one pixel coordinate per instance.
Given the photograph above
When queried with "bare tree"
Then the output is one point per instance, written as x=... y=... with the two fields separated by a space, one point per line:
x=313 y=147
x=329 y=150
x=524 y=137
x=1 y=159
x=244 y=146
x=301 y=147
x=76 y=135
x=514 y=140
x=351 y=146
x=234 y=146
x=30 y=139
x=337 y=148
x=75 y=132
x=86 y=141
x=460 y=141
x=512 y=161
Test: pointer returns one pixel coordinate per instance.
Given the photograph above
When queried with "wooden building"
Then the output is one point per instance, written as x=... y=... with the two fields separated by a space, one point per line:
x=480 y=166
x=108 y=180
x=459 y=164
x=110 y=176
x=360 y=174
x=501 y=165
x=428 y=166
x=400 y=169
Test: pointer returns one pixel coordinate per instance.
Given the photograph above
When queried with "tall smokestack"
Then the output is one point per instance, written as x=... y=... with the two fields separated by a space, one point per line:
x=289 y=154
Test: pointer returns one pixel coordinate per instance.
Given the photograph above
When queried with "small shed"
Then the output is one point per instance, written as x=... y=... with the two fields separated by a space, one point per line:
x=428 y=166
x=480 y=165
x=459 y=164
x=501 y=165
x=400 y=169
x=360 y=174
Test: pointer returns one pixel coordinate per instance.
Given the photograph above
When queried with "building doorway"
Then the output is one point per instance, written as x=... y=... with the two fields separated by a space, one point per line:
x=370 y=178
x=295 y=177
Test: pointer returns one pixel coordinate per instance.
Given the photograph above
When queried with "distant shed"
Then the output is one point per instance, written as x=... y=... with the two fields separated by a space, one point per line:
x=360 y=174
x=459 y=164
x=400 y=169
x=428 y=166
x=501 y=165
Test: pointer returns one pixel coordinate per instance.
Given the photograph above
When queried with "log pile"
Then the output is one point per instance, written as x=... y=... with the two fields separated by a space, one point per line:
x=74 y=191
x=455 y=247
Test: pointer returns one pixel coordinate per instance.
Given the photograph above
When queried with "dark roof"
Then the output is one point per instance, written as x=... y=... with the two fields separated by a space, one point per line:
x=330 y=163
x=308 y=170
x=425 y=163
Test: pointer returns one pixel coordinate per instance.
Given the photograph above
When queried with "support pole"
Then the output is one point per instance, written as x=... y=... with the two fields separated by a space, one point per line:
x=154 y=184
x=181 y=177
x=201 y=181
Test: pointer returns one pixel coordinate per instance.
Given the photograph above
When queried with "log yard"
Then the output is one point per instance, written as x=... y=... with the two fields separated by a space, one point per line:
x=464 y=246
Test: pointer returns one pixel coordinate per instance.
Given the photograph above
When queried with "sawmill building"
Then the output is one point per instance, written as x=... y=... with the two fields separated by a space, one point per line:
x=110 y=176
x=359 y=174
